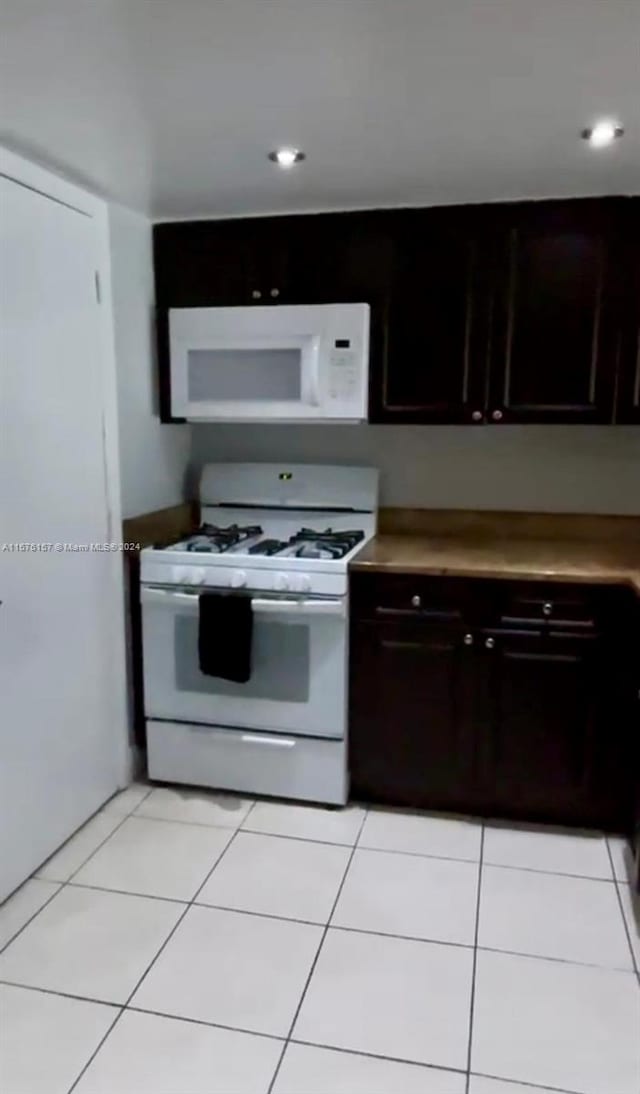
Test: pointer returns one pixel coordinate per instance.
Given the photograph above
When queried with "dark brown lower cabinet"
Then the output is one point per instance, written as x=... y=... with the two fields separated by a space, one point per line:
x=533 y=722
x=411 y=723
x=538 y=707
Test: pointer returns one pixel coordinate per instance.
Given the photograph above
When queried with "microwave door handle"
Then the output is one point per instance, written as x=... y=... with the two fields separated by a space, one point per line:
x=314 y=371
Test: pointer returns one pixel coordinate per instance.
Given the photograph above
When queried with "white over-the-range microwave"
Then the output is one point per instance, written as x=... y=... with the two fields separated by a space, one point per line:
x=286 y=363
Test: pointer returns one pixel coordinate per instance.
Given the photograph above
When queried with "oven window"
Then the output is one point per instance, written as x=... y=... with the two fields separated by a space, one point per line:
x=241 y=375
x=280 y=663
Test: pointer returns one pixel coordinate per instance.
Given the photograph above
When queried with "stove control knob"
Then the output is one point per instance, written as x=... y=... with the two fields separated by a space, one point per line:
x=305 y=583
x=238 y=579
x=282 y=582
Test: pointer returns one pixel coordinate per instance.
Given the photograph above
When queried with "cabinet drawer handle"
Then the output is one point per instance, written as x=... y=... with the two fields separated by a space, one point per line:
x=547 y=608
x=468 y=639
x=490 y=643
x=476 y=416
x=274 y=292
x=256 y=294
x=416 y=601
x=497 y=415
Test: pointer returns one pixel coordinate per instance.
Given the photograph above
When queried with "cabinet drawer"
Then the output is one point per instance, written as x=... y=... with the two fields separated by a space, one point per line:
x=418 y=598
x=571 y=606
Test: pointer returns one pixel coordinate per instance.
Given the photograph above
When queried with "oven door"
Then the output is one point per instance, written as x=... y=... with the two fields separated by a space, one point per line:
x=298 y=677
x=243 y=364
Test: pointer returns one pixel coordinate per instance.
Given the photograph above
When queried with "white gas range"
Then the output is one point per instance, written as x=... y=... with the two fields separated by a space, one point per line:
x=281 y=536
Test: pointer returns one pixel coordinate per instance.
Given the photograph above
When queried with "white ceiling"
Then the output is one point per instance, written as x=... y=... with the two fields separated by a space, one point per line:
x=170 y=106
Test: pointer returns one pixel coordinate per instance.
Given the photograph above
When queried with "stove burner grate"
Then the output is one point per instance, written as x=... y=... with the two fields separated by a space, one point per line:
x=211 y=538
x=328 y=544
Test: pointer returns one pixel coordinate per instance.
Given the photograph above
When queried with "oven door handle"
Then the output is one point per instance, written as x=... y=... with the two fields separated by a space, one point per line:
x=260 y=605
x=299 y=607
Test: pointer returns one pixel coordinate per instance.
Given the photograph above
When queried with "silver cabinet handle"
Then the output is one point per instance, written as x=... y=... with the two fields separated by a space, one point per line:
x=497 y=415
x=468 y=640
x=416 y=601
x=547 y=608
x=490 y=643
x=256 y=294
x=274 y=292
x=476 y=416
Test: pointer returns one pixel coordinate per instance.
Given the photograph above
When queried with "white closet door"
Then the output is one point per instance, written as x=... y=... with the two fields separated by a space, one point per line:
x=60 y=754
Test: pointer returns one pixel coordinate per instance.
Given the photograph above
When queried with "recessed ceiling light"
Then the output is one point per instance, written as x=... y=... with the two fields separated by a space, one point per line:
x=602 y=133
x=286 y=157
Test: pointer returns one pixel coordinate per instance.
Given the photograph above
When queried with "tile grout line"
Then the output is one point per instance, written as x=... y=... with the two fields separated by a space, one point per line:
x=63 y=994
x=272 y=1037
x=193 y=901
x=377 y=1056
x=335 y=843
x=519 y=1083
x=205 y=1024
x=126 y=892
x=474 y=962
x=334 y=927
x=289 y=1038
x=625 y=925
x=59 y=886
x=151 y=964
x=317 y=955
x=339 y=927
x=292 y=1040
x=377 y=850
x=558 y=960
x=62 y=884
x=106 y=840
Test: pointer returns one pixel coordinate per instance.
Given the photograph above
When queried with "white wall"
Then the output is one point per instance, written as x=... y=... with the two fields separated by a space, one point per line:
x=153 y=457
x=579 y=469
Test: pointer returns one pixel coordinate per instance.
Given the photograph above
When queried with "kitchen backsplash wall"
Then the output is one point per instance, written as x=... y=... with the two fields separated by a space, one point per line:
x=581 y=469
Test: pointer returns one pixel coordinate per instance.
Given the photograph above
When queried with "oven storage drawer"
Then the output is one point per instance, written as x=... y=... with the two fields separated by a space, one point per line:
x=250 y=763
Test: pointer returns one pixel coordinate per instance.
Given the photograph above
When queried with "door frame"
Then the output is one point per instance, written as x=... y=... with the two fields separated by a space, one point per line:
x=33 y=177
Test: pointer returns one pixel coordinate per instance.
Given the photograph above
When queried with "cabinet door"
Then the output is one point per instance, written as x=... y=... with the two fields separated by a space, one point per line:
x=196 y=265
x=435 y=363
x=202 y=263
x=628 y=409
x=410 y=741
x=270 y=277
x=537 y=711
x=348 y=258
x=556 y=317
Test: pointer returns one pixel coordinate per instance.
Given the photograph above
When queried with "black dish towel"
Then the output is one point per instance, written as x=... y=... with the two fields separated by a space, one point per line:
x=224 y=636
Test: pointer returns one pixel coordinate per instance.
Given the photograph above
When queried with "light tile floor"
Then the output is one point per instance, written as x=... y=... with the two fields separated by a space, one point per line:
x=192 y=943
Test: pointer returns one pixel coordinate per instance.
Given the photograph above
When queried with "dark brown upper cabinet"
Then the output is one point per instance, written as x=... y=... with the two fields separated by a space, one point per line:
x=628 y=401
x=218 y=263
x=556 y=313
x=434 y=360
x=522 y=312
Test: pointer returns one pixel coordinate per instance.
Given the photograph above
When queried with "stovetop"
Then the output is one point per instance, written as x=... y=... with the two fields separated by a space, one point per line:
x=267 y=527
x=250 y=540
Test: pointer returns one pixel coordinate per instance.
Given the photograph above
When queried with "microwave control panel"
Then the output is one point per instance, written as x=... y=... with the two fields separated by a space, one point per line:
x=343 y=371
